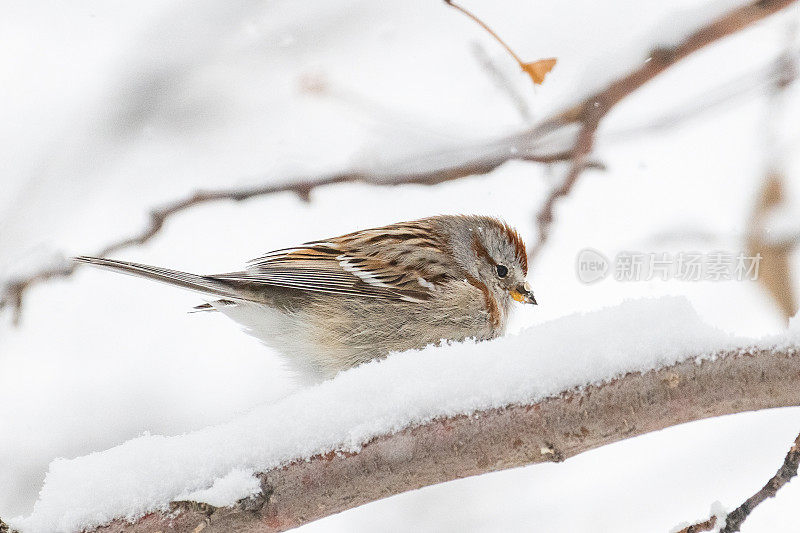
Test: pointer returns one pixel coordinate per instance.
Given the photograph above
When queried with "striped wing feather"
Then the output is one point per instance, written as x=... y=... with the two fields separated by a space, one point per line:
x=402 y=261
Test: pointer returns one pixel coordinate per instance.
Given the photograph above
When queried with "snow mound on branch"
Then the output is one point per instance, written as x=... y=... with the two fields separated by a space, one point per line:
x=226 y=490
x=379 y=398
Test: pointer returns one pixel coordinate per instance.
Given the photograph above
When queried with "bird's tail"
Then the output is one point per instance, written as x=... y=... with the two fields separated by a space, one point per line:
x=194 y=282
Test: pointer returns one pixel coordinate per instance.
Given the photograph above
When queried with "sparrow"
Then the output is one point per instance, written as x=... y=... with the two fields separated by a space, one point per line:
x=332 y=304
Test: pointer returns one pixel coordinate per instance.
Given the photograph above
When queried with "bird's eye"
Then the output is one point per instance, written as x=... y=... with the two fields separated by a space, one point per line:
x=501 y=271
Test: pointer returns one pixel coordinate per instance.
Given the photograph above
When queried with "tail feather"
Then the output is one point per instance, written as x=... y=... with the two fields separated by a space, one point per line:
x=203 y=284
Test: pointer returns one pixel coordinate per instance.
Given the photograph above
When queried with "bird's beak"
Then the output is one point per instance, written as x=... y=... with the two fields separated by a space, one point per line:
x=523 y=294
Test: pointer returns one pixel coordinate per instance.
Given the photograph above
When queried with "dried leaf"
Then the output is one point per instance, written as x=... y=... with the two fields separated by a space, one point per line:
x=537 y=70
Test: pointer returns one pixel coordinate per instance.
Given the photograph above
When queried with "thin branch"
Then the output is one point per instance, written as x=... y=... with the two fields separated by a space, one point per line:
x=13 y=290
x=536 y=70
x=548 y=431
x=522 y=147
x=489 y=30
x=593 y=109
x=735 y=519
x=544 y=220
x=786 y=472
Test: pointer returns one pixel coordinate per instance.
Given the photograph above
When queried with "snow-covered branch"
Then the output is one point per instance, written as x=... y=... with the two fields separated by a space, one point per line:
x=454 y=447
x=425 y=417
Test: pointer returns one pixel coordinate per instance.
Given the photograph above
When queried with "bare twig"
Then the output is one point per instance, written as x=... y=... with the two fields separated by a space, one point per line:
x=735 y=519
x=591 y=111
x=785 y=473
x=536 y=70
x=548 y=431
x=13 y=290
x=488 y=30
x=523 y=147
x=544 y=220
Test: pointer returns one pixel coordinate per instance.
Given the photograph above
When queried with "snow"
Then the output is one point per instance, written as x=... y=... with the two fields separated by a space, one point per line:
x=227 y=490
x=407 y=389
x=717 y=509
x=111 y=108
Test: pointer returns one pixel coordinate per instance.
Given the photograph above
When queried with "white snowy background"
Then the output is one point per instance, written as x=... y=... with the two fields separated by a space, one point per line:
x=111 y=108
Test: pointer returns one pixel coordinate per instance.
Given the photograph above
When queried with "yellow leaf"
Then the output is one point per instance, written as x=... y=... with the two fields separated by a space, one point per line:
x=537 y=70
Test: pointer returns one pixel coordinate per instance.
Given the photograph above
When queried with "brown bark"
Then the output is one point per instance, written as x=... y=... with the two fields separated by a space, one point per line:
x=548 y=431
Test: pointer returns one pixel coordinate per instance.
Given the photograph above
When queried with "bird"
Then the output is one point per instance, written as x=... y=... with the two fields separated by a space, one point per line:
x=332 y=304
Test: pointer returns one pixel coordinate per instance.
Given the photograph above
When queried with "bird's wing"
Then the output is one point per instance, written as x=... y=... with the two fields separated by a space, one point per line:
x=397 y=262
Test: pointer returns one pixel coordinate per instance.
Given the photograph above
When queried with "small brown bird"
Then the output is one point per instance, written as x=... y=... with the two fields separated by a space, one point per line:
x=332 y=304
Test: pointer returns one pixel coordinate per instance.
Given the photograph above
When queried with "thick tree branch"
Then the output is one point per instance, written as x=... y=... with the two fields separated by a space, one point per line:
x=548 y=431
x=525 y=146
